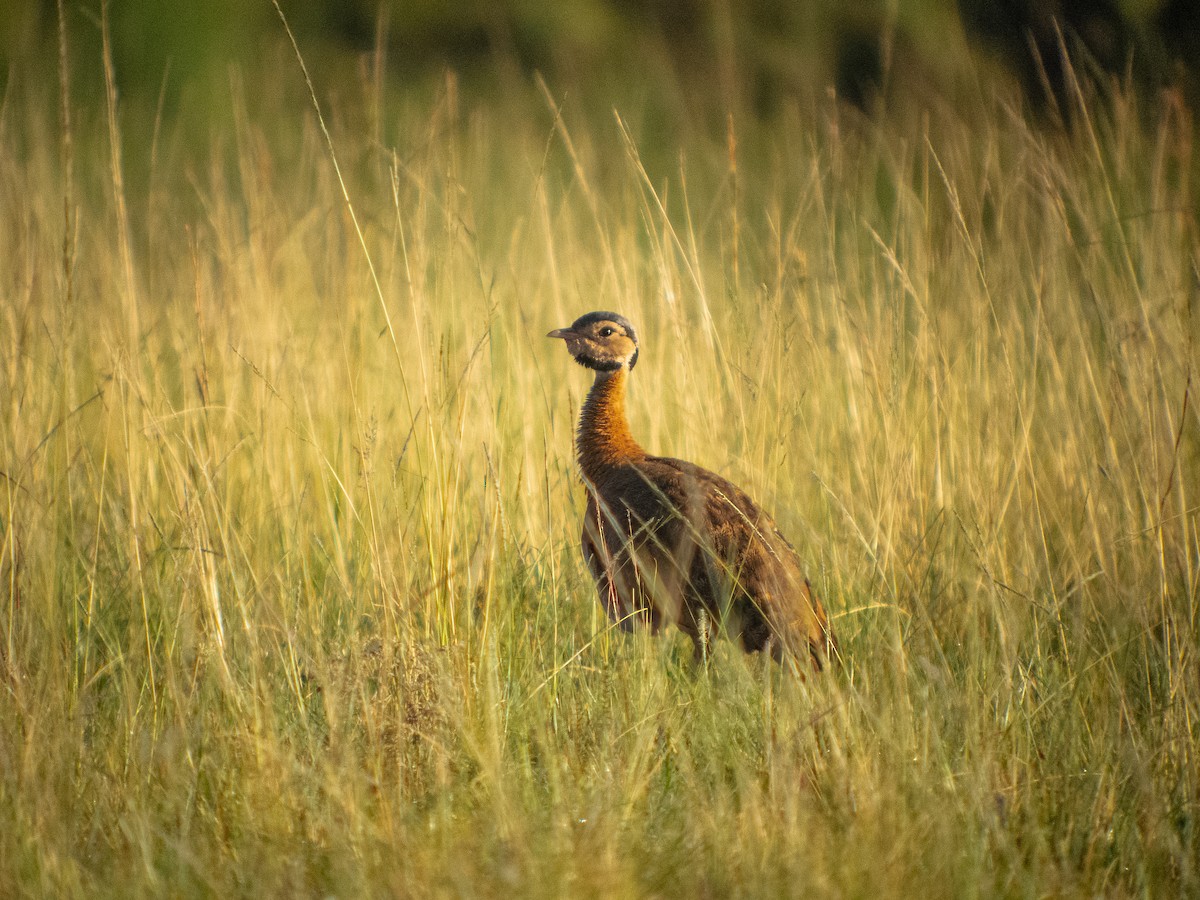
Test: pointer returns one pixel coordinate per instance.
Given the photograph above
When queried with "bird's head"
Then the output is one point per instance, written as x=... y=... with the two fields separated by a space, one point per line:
x=603 y=341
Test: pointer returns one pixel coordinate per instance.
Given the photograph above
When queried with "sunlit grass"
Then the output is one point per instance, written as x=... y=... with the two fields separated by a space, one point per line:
x=292 y=596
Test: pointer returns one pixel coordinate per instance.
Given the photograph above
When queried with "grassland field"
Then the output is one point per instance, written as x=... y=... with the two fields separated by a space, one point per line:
x=291 y=599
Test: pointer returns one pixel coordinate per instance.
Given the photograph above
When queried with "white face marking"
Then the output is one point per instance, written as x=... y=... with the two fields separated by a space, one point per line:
x=603 y=343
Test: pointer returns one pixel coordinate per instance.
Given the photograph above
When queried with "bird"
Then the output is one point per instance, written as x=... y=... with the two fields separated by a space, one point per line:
x=671 y=543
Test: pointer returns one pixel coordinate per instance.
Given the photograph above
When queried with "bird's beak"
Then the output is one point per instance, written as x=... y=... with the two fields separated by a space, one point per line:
x=563 y=333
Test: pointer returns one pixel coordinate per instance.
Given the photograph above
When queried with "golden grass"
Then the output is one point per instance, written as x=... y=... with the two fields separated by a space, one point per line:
x=292 y=600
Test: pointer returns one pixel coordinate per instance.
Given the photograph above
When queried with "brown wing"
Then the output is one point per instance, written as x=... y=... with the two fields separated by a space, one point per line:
x=771 y=601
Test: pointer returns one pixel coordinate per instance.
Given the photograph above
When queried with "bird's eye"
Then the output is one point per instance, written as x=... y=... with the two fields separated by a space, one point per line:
x=606 y=331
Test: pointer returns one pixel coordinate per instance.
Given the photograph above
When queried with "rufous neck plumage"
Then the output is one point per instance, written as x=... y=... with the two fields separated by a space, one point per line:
x=604 y=441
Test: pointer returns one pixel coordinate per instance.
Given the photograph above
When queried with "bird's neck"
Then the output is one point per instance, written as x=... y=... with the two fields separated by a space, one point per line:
x=604 y=441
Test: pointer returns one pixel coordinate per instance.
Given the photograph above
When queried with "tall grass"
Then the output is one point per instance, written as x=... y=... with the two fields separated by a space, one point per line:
x=292 y=599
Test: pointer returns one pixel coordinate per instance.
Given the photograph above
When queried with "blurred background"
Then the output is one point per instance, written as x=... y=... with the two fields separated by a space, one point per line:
x=178 y=58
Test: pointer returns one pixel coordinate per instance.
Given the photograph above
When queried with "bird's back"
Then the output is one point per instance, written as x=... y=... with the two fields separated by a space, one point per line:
x=710 y=547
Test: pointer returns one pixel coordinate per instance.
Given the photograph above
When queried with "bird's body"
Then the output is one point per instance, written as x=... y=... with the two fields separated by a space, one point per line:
x=669 y=542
